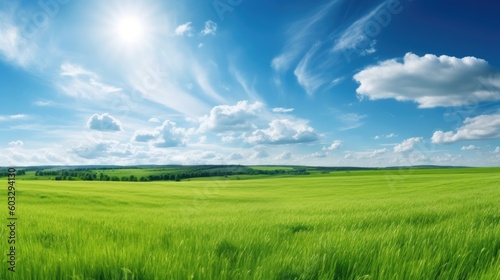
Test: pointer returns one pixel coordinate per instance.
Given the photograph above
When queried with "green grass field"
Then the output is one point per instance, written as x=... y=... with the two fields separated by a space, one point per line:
x=411 y=224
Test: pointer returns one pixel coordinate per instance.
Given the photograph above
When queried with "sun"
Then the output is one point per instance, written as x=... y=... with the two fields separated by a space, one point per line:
x=130 y=29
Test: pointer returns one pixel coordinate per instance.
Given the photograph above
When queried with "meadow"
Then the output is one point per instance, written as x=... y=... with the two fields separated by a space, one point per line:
x=387 y=224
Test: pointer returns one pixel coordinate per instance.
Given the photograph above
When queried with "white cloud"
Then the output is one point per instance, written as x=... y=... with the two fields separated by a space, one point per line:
x=365 y=155
x=16 y=143
x=94 y=150
x=354 y=35
x=14 y=47
x=299 y=34
x=286 y=155
x=230 y=118
x=210 y=28
x=388 y=136
x=202 y=139
x=259 y=154
x=104 y=149
x=319 y=155
x=336 y=81
x=407 y=145
x=497 y=150
x=43 y=103
x=351 y=120
x=370 y=50
x=154 y=120
x=469 y=148
x=82 y=83
x=235 y=156
x=284 y=131
x=73 y=70
x=309 y=77
x=13 y=117
x=165 y=136
x=103 y=88
x=104 y=122
x=482 y=127
x=184 y=29
x=335 y=145
x=283 y=110
x=431 y=81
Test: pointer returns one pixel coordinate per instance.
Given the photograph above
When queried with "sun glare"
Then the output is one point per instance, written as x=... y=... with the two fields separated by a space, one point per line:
x=130 y=30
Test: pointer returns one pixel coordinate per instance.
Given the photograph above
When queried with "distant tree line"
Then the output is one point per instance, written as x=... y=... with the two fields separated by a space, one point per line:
x=177 y=175
x=5 y=173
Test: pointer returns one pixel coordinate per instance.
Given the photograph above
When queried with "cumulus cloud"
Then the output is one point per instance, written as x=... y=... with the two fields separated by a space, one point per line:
x=210 y=28
x=335 y=145
x=469 y=148
x=104 y=122
x=145 y=136
x=230 y=118
x=407 y=145
x=104 y=149
x=184 y=29
x=259 y=154
x=165 y=136
x=482 y=127
x=319 y=155
x=283 y=110
x=235 y=156
x=94 y=150
x=366 y=155
x=17 y=143
x=497 y=150
x=154 y=120
x=431 y=81
x=286 y=155
x=284 y=131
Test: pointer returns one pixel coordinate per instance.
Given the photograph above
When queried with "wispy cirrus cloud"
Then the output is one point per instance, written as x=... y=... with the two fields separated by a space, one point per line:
x=14 y=117
x=351 y=121
x=299 y=35
x=283 y=110
x=14 y=47
x=353 y=35
x=79 y=82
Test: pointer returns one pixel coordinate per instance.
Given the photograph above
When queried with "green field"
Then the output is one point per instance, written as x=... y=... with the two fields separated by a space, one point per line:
x=388 y=224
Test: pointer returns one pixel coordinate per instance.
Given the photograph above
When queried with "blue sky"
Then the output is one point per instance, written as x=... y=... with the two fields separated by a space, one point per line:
x=334 y=83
